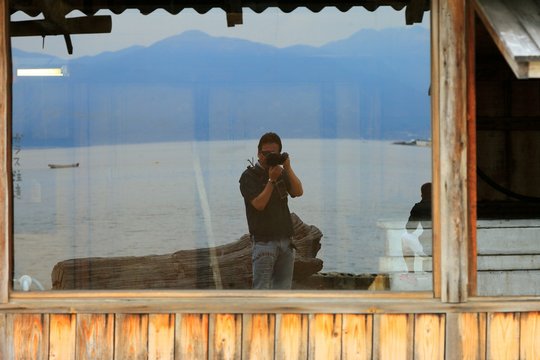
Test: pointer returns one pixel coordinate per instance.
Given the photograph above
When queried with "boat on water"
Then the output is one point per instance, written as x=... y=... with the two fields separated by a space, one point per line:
x=63 y=166
x=414 y=142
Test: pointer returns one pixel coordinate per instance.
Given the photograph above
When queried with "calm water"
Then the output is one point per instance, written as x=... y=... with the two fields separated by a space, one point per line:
x=163 y=197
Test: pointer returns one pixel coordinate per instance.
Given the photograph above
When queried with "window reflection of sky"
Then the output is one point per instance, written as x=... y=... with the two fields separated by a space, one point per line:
x=300 y=27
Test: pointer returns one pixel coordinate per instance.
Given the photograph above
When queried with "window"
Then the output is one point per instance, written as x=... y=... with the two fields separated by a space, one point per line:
x=508 y=144
x=126 y=165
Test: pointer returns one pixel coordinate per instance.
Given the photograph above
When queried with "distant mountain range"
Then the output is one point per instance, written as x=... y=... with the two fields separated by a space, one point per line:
x=372 y=85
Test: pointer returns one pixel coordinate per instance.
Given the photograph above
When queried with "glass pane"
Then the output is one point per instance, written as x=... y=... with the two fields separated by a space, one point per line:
x=508 y=144
x=127 y=165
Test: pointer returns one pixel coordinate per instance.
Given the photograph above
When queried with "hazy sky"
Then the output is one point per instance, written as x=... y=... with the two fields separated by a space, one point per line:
x=271 y=27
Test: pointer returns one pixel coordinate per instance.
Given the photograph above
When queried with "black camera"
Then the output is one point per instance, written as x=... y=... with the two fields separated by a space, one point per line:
x=274 y=159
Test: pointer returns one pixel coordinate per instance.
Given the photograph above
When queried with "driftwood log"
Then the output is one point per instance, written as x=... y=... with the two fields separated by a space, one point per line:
x=223 y=267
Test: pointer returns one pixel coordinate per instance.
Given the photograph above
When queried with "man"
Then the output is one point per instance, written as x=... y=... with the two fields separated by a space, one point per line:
x=265 y=187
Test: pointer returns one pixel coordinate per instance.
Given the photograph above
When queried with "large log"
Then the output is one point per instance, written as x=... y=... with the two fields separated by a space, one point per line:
x=185 y=269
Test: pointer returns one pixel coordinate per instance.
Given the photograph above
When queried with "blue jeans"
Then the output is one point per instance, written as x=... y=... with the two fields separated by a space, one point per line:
x=273 y=264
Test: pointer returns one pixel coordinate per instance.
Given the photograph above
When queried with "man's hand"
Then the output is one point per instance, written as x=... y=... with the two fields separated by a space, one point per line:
x=287 y=163
x=274 y=172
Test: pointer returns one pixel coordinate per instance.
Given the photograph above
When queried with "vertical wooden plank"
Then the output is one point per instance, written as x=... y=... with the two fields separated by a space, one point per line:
x=28 y=336
x=453 y=150
x=161 y=336
x=466 y=336
x=429 y=336
x=471 y=150
x=376 y=352
x=62 y=336
x=3 y=337
x=291 y=336
x=95 y=336
x=9 y=351
x=131 y=337
x=225 y=336
x=395 y=337
x=435 y=150
x=191 y=336
x=503 y=336
x=258 y=333
x=530 y=336
x=357 y=337
x=324 y=336
x=5 y=152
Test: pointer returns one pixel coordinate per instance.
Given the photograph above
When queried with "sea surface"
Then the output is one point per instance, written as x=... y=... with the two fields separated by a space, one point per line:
x=159 y=198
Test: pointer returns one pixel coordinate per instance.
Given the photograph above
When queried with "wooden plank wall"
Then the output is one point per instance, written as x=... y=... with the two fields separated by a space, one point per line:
x=270 y=336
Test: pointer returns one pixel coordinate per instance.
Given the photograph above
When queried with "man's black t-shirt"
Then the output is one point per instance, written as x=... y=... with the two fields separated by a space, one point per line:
x=275 y=219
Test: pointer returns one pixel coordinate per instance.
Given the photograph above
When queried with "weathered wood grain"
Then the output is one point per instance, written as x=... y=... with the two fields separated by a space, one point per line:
x=5 y=151
x=3 y=337
x=258 y=333
x=513 y=30
x=466 y=336
x=395 y=337
x=62 y=336
x=503 y=336
x=453 y=149
x=225 y=336
x=291 y=336
x=324 y=336
x=529 y=19
x=191 y=336
x=161 y=336
x=429 y=340
x=28 y=336
x=95 y=336
x=357 y=336
x=530 y=336
x=131 y=337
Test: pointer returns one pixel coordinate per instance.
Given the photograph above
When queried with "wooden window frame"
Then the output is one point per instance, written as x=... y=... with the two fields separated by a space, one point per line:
x=452 y=265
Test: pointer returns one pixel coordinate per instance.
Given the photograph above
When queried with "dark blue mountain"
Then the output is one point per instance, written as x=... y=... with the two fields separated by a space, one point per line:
x=195 y=86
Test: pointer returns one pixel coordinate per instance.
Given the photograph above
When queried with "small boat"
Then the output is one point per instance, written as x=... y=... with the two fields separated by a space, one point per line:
x=414 y=142
x=63 y=166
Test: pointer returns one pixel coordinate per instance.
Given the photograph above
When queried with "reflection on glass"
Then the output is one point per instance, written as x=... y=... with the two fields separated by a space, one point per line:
x=126 y=172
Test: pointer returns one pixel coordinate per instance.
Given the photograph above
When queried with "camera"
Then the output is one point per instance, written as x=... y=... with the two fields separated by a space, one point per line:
x=274 y=159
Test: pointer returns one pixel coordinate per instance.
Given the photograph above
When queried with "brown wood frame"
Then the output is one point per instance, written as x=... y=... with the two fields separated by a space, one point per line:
x=5 y=153
x=471 y=152
x=435 y=150
x=450 y=203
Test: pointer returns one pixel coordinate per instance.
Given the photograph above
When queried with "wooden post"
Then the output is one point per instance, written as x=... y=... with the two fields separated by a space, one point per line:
x=5 y=149
x=471 y=151
x=435 y=153
x=452 y=187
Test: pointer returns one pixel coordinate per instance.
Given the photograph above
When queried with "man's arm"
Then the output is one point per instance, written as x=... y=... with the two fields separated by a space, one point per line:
x=261 y=200
x=296 y=185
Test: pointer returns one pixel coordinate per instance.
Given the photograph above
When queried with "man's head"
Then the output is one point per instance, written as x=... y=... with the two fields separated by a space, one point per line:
x=425 y=191
x=269 y=138
x=269 y=143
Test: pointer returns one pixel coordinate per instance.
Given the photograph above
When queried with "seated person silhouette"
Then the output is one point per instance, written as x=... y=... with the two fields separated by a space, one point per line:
x=414 y=239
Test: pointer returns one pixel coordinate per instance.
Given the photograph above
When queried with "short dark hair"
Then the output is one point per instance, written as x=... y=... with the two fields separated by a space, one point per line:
x=269 y=138
x=425 y=190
